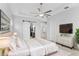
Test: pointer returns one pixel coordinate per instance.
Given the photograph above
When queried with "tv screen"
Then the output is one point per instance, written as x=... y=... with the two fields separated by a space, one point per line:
x=66 y=28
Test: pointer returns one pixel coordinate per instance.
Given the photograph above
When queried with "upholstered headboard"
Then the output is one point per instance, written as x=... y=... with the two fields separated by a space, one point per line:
x=6 y=34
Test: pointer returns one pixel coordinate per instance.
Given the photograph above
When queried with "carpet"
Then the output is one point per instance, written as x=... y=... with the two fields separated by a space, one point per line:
x=61 y=53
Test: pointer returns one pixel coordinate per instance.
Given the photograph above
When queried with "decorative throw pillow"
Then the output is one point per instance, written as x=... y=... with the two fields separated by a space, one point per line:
x=18 y=42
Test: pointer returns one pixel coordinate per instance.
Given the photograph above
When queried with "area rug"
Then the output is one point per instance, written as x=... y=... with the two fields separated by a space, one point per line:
x=61 y=53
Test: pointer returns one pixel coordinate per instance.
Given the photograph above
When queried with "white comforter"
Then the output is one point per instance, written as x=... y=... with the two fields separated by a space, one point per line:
x=50 y=47
x=20 y=51
x=36 y=47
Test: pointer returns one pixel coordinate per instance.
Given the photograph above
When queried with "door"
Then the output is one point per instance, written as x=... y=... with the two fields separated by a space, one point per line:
x=26 y=31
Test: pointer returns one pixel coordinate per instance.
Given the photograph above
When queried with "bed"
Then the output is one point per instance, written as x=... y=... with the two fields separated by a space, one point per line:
x=50 y=47
x=22 y=50
x=34 y=47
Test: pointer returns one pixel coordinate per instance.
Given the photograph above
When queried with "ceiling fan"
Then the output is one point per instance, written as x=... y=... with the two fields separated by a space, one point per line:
x=42 y=13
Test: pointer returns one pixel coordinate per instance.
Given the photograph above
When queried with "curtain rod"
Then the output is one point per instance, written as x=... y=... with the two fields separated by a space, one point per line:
x=31 y=21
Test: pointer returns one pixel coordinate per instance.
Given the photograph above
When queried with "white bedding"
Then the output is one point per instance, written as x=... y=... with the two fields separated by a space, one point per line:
x=50 y=47
x=22 y=51
x=36 y=49
x=19 y=52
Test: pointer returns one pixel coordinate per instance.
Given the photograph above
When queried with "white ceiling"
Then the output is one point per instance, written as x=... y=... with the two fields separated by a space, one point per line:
x=25 y=9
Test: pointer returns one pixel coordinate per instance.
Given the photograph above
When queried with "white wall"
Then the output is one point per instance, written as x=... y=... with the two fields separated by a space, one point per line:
x=17 y=25
x=67 y=16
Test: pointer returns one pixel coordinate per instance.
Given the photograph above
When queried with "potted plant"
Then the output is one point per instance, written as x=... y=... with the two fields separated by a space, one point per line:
x=77 y=37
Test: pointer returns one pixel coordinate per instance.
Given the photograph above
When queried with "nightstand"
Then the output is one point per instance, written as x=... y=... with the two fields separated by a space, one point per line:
x=4 y=43
x=2 y=51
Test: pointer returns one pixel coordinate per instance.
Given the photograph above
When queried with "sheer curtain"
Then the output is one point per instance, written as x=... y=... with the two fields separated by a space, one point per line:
x=44 y=30
x=41 y=30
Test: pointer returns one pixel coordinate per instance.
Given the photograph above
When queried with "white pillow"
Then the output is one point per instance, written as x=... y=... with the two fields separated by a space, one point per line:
x=20 y=43
x=13 y=43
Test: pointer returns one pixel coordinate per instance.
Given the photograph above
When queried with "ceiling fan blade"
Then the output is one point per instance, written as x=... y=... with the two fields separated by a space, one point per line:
x=39 y=9
x=48 y=15
x=48 y=11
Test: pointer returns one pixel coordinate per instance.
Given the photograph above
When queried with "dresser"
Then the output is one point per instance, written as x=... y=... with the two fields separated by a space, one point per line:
x=66 y=41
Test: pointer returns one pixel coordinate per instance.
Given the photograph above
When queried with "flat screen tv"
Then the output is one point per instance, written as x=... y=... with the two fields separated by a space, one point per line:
x=66 y=28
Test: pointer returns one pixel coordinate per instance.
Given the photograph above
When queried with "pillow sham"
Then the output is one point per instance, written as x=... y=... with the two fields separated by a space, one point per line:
x=12 y=43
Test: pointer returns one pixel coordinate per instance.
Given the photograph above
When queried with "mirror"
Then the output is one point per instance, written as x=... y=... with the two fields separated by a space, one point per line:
x=4 y=22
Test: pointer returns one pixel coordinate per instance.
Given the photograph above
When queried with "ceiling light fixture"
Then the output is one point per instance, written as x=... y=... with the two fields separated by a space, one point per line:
x=41 y=15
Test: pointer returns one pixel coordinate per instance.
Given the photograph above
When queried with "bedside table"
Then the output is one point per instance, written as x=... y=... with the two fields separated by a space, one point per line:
x=2 y=51
x=4 y=43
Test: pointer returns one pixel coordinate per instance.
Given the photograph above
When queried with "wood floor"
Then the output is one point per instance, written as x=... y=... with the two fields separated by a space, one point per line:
x=74 y=52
